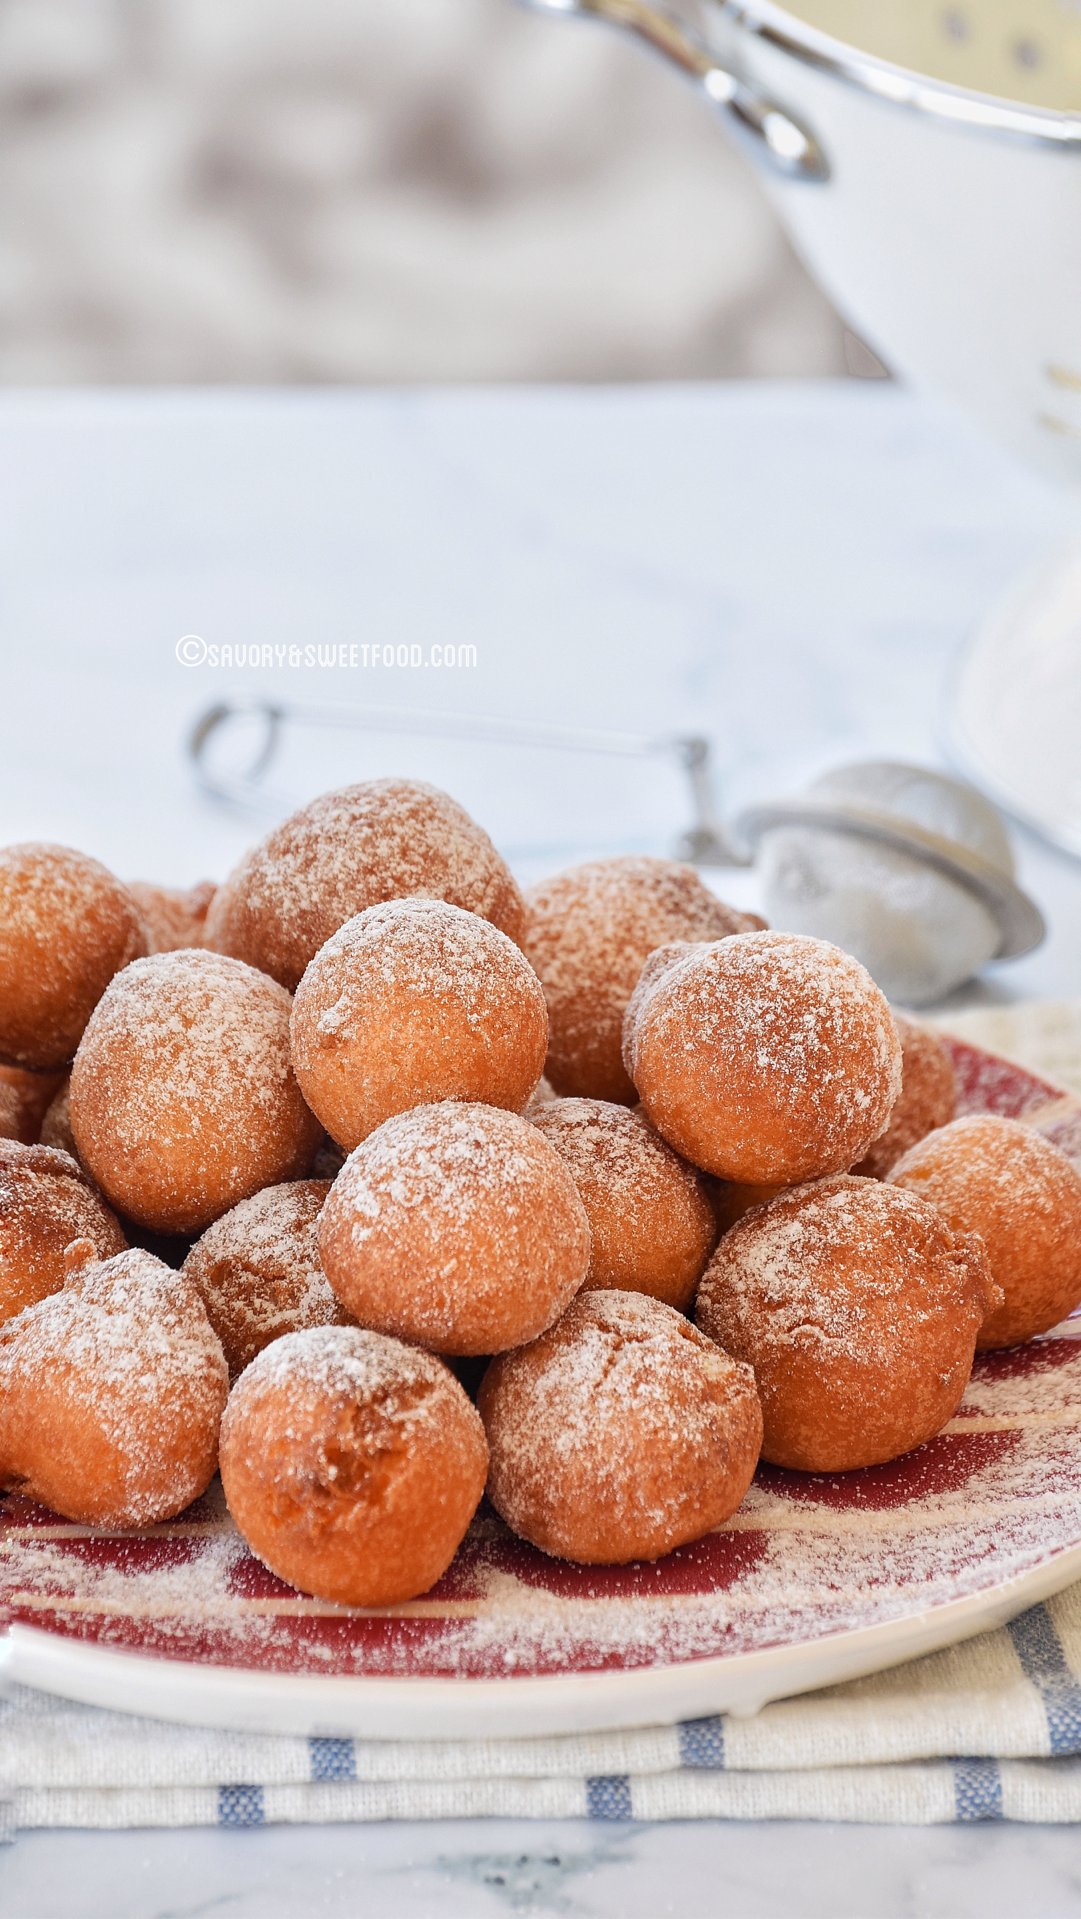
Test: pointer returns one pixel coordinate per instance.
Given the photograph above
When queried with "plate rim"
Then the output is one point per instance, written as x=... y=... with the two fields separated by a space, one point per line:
x=397 y=1706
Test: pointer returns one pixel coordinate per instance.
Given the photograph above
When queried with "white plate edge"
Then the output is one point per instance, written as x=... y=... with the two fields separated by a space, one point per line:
x=398 y=1707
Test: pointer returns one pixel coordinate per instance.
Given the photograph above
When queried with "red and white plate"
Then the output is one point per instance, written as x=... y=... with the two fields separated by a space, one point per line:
x=817 y=1578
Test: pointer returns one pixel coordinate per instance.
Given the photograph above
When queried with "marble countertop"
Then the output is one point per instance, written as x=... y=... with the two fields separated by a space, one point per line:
x=459 y=1869
x=788 y=568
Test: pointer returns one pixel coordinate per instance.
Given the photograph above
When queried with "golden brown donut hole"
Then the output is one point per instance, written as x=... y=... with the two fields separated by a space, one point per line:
x=352 y=1464
x=25 y=1099
x=650 y=1220
x=858 y=1310
x=174 y=917
x=588 y=933
x=258 y=1273
x=410 y=1003
x=927 y=1100
x=730 y=1202
x=66 y=926
x=766 y=1059
x=620 y=1433
x=56 y=1125
x=1000 y=1179
x=183 y=1099
x=382 y=840
x=10 y=1112
x=456 y=1226
x=45 y=1203
x=111 y=1394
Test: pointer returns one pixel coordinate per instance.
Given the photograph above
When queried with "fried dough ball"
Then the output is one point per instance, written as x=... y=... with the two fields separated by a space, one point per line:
x=56 y=1126
x=588 y=933
x=383 y=840
x=767 y=1059
x=352 y=1464
x=111 y=1393
x=859 y=1315
x=650 y=1219
x=456 y=1226
x=730 y=1202
x=410 y=1003
x=619 y=1434
x=1000 y=1179
x=258 y=1274
x=66 y=926
x=46 y=1201
x=24 y=1101
x=183 y=1099
x=927 y=1100
x=173 y=918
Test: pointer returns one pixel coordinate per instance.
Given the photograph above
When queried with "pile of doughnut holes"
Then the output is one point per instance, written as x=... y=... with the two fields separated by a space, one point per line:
x=381 y=1185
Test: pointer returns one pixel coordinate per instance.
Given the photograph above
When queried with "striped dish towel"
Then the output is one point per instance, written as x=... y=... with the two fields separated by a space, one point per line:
x=990 y=1729
x=986 y=1730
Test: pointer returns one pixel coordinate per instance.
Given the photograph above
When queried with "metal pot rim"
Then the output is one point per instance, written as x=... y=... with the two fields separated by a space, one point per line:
x=902 y=86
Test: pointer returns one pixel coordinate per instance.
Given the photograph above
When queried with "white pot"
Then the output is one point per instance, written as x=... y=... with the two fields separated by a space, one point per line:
x=944 y=222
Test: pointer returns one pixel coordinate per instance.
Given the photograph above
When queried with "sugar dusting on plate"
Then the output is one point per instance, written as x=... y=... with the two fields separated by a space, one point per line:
x=996 y=1494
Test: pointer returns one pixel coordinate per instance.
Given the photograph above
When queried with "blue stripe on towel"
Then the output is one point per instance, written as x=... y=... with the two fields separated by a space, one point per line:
x=332 y=1758
x=701 y=1743
x=240 y=1806
x=977 y=1789
x=609 y=1797
x=1044 y=1665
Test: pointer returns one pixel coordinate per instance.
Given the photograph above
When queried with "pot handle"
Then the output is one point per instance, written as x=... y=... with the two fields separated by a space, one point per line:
x=788 y=145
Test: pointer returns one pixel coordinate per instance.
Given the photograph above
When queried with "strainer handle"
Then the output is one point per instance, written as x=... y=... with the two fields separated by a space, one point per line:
x=790 y=147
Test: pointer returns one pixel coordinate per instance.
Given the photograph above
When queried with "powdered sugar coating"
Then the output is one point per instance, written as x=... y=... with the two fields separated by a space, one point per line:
x=767 y=1058
x=45 y=1203
x=858 y=1309
x=349 y=1364
x=661 y=960
x=651 y=1223
x=174 y=917
x=111 y=1392
x=352 y=1464
x=999 y=1178
x=927 y=1100
x=42 y=1158
x=456 y=1226
x=620 y=1434
x=258 y=1272
x=347 y=850
x=66 y=926
x=588 y=933
x=412 y=1002
x=183 y=1099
